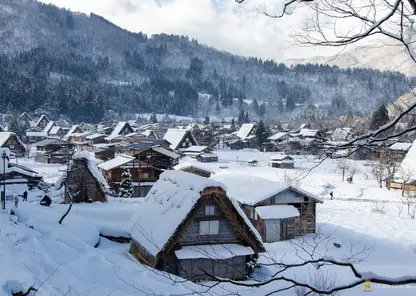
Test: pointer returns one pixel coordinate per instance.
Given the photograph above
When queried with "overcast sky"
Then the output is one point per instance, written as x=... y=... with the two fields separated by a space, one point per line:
x=222 y=24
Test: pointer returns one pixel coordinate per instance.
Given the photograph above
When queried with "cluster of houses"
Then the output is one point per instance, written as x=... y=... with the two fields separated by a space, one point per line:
x=214 y=224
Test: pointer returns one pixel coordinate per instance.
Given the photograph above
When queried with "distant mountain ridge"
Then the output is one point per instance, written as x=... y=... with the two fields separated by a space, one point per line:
x=83 y=65
x=383 y=57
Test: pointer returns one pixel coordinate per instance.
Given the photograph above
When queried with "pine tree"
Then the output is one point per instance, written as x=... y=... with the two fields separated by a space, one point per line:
x=153 y=118
x=255 y=106
x=262 y=133
x=262 y=110
x=233 y=123
x=241 y=118
x=206 y=121
x=246 y=118
x=379 y=118
x=126 y=187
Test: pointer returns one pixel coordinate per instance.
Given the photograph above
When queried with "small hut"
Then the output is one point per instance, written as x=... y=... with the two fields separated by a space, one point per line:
x=82 y=181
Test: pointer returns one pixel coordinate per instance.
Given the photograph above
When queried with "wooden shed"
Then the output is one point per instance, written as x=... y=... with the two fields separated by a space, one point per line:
x=204 y=233
x=83 y=182
x=273 y=195
x=282 y=162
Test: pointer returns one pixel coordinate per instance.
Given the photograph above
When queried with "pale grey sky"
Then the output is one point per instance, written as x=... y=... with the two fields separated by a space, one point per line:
x=222 y=24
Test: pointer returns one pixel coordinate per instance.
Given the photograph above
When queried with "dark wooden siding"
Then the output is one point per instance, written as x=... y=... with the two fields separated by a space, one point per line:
x=197 y=269
x=226 y=233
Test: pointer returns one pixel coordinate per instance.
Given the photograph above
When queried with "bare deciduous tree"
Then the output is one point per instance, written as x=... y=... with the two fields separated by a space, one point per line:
x=377 y=169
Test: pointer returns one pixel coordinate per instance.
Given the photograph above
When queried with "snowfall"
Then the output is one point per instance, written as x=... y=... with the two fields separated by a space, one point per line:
x=364 y=224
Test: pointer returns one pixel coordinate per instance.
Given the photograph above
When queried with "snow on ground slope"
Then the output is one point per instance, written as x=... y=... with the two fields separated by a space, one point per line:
x=36 y=250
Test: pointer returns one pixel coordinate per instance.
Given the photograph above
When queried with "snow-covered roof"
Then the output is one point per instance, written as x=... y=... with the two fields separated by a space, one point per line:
x=245 y=130
x=280 y=157
x=40 y=119
x=49 y=126
x=187 y=165
x=342 y=133
x=305 y=132
x=169 y=201
x=408 y=166
x=198 y=149
x=117 y=130
x=277 y=212
x=174 y=136
x=36 y=134
x=94 y=136
x=277 y=136
x=115 y=162
x=249 y=189
x=216 y=252
x=92 y=167
x=207 y=155
x=401 y=146
x=148 y=133
x=4 y=136
x=55 y=130
x=166 y=152
x=71 y=131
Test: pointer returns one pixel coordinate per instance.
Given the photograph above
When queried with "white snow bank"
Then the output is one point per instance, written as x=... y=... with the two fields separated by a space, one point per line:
x=216 y=252
x=277 y=212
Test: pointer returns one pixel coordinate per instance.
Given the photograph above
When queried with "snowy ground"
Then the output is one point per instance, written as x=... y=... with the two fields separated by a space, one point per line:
x=65 y=260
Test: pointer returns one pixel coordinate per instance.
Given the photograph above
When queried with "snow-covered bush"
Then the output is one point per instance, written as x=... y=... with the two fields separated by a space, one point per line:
x=126 y=186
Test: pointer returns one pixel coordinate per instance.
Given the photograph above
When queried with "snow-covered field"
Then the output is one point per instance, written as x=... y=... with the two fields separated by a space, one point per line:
x=72 y=259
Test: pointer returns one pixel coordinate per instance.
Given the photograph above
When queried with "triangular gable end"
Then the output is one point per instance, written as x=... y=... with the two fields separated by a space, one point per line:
x=243 y=231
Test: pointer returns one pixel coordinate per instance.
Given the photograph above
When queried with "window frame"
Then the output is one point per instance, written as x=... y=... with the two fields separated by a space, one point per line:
x=209 y=212
x=212 y=225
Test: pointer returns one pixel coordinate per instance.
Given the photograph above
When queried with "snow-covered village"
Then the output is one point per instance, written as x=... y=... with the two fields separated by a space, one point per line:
x=205 y=147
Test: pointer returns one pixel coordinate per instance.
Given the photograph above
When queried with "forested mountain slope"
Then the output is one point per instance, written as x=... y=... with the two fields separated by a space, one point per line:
x=81 y=66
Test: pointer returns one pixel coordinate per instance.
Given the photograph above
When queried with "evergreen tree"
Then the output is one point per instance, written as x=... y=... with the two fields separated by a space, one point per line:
x=153 y=118
x=246 y=118
x=255 y=106
x=262 y=110
x=126 y=187
x=217 y=107
x=290 y=104
x=262 y=133
x=241 y=118
x=233 y=123
x=206 y=121
x=379 y=118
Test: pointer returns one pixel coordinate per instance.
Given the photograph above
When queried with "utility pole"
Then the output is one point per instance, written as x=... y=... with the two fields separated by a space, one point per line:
x=3 y=196
x=138 y=179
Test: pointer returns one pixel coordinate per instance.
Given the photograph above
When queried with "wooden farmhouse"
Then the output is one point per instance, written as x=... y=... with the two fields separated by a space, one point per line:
x=53 y=151
x=180 y=139
x=42 y=122
x=204 y=233
x=83 y=182
x=75 y=129
x=148 y=164
x=405 y=178
x=278 y=211
x=282 y=162
x=120 y=132
x=194 y=151
x=12 y=141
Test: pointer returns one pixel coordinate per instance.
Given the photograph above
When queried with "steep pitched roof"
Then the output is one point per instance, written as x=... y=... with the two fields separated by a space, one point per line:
x=4 y=136
x=117 y=130
x=259 y=189
x=245 y=130
x=171 y=200
x=175 y=136
x=40 y=119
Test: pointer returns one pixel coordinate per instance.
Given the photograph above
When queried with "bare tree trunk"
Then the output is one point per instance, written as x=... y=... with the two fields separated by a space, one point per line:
x=66 y=214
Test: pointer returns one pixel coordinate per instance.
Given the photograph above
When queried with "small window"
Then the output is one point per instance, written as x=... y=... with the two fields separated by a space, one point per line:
x=209 y=227
x=209 y=210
